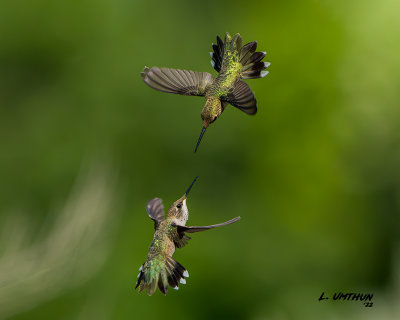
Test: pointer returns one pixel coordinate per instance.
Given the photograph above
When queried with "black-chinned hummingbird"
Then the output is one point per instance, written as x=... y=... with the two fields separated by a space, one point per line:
x=233 y=62
x=160 y=269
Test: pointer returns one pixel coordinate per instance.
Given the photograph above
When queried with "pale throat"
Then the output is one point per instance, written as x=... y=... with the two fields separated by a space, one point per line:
x=183 y=216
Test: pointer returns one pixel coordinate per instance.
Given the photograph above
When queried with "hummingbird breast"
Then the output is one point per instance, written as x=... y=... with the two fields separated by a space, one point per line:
x=162 y=243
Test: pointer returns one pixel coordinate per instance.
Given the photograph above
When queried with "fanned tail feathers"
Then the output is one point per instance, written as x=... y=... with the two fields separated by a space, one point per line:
x=161 y=271
x=253 y=67
x=176 y=273
x=217 y=55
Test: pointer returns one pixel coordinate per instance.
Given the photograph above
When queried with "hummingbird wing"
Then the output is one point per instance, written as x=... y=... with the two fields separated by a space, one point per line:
x=180 y=238
x=242 y=98
x=155 y=209
x=184 y=82
x=187 y=229
x=217 y=55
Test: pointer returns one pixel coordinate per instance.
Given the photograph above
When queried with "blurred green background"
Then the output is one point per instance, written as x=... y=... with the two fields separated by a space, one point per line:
x=84 y=144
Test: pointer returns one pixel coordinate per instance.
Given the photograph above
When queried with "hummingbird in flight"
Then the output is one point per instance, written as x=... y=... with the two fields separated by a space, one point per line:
x=233 y=62
x=160 y=269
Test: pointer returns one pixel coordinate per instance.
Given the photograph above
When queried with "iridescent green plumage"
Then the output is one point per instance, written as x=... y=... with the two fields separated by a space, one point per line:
x=233 y=62
x=160 y=269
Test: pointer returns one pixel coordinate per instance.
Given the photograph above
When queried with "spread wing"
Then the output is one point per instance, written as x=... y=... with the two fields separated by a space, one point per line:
x=184 y=82
x=187 y=229
x=155 y=209
x=181 y=238
x=243 y=98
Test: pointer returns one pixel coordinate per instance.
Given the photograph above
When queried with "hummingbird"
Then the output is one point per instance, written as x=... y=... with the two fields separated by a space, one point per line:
x=233 y=62
x=160 y=269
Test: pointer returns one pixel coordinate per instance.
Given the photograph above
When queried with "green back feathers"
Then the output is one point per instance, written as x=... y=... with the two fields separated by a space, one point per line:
x=234 y=62
x=250 y=61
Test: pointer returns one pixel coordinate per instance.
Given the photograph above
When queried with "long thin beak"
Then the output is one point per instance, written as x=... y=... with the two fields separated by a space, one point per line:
x=188 y=190
x=201 y=136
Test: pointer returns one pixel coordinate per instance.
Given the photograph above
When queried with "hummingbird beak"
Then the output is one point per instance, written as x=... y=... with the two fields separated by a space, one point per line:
x=201 y=136
x=190 y=187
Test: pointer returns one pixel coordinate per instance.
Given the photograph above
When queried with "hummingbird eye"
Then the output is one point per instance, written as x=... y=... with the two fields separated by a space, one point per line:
x=179 y=205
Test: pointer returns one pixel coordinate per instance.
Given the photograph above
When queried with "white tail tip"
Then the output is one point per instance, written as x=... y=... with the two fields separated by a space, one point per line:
x=186 y=274
x=183 y=281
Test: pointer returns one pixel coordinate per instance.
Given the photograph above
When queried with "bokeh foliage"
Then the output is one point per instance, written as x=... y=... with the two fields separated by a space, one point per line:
x=315 y=174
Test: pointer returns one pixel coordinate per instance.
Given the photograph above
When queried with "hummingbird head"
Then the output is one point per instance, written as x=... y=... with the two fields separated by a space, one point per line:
x=179 y=209
x=209 y=114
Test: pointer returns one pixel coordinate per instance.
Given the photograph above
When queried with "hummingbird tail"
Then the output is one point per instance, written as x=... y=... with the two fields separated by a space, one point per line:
x=161 y=271
x=249 y=59
x=176 y=273
x=252 y=66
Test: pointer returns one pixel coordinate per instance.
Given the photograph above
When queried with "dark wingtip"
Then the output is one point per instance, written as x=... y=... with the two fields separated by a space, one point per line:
x=201 y=136
x=190 y=187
